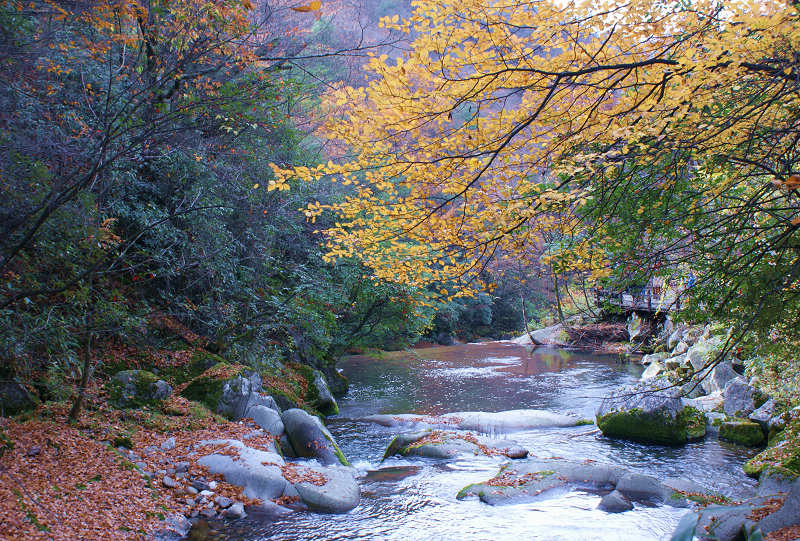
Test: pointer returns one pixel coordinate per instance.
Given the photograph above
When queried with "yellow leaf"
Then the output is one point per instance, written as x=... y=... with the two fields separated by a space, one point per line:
x=315 y=5
x=255 y=186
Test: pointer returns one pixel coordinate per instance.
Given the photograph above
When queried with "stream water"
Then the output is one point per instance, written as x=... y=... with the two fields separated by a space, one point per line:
x=415 y=499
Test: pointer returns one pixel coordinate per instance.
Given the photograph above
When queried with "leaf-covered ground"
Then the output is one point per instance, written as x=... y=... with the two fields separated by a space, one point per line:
x=67 y=482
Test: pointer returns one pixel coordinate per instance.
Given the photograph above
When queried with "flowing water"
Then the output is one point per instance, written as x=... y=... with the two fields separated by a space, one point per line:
x=415 y=498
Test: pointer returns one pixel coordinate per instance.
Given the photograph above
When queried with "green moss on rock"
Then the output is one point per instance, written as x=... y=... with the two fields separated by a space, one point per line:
x=782 y=455
x=207 y=387
x=634 y=424
x=742 y=432
x=136 y=388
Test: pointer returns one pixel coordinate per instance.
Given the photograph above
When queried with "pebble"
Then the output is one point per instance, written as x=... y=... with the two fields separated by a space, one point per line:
x=192 y=490
x=212 y=485
x=223 y=502
x=200 y=484
x=182 y=467
x=206 y=493
x=169 y=482
x=235 y=511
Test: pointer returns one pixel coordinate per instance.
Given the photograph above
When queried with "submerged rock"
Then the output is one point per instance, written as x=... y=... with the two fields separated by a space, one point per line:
x=650 y=414
x=526 y=480
x=615 y=502
x=431 y=443
x=479 y=421
x=310 y=438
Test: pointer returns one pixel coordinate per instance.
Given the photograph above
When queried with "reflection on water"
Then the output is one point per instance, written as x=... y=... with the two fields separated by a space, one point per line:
x=410 y=499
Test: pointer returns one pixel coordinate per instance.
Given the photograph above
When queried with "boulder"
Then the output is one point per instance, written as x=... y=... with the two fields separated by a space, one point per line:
x=741 y=399
x=615 y=502
x=703 y=352
x=680 y=348
x=654 y=357
x=706 y=403
x=675 y=337
x=310 y=438
x=446 y=444
x=229 y=390
x=136 y=388
x=718 y=378
x=555 y=335
x=325 y=402
x=782 y=455
x=15 y=398
x=479 y=421
x=745 y=433
x=258 y=472
x=763 y=414
x=653 y=371
x=649 y=414
x=527 y=480
x=326 y=490
x=267 y=418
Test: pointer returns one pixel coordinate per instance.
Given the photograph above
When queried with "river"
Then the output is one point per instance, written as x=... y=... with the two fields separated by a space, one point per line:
x=415 y=499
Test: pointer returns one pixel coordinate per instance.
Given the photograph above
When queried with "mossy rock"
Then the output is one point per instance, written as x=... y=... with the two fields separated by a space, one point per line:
x=745 y=433
x=636 y=425
x=137 y=388
x=207 y=388
x=15 y=398
x=782 y=454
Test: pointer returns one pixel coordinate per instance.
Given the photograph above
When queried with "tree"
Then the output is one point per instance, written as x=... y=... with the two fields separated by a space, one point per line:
x=502 y=118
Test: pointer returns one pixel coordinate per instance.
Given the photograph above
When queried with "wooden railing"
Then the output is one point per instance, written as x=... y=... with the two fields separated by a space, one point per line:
x=649 y=299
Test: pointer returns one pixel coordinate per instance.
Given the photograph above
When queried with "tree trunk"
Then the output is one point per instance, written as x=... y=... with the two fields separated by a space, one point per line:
x=75 y=411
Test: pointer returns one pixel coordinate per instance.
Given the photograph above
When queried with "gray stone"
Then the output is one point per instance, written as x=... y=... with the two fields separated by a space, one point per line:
x=654 y=357
x=706 y=403
x=702 y=353
x=530 y=479
x=178 y=524
x=199 y=484
x=325 y=401
x=763 y=414
x=223 y=502
x=169 y=482
x=446 y=444
x=719 y=377
x=680 y=348
x=310 y=438
x=240 y=394
x=257 y=472
x=653 y=371
x=788 y=515
x=235 y=511
x=328 y=490
x=478 y=421
x=15 y=398
x=192 y=491
x=615 y=502
x=674 y=338
x=182 y=467
x=267 y=418
x=740 y=398
x=168 y=444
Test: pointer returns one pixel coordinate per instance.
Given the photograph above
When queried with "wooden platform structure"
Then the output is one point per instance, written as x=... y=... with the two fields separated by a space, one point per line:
x=649 y=299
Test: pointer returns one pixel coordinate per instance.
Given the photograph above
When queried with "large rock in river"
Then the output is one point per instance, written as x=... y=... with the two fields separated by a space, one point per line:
x=449 y=444
x=526 y=480
x=310 y=438
x=230 y=390
x=650 y=414
x=480 y=421
x=266 y=476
